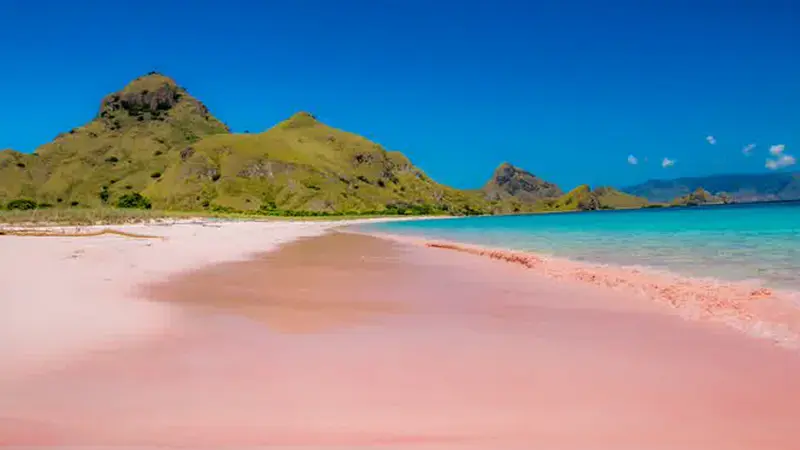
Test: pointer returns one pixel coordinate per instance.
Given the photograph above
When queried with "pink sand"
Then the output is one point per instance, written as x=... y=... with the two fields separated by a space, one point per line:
x=753 y=309
x=482 y=355
x=62 y=296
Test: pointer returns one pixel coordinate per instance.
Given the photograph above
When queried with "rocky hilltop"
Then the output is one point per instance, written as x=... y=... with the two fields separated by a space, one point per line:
x=509 y=181
x=152 y=143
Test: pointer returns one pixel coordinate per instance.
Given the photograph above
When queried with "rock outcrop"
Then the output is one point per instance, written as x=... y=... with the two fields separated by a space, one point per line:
x=510 y=181
x=699 y=197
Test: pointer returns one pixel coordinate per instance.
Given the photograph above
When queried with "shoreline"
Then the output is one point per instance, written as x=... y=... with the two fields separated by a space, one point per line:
x=752 y=309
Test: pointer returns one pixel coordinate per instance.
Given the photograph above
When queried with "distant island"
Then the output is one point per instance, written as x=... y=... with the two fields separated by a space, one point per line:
x=737 y=188
x=701 y=197
x=153 y=145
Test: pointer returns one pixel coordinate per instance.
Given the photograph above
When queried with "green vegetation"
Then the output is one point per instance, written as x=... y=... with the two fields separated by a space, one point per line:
x=583 y=198
x=104 y=194
x=610 y=198
x=134 y=200
x=579 y=199
x=84 y=216
x=154 y=146
x=21 y=204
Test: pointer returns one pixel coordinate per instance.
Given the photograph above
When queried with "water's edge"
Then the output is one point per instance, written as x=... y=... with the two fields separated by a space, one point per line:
x=746 y=306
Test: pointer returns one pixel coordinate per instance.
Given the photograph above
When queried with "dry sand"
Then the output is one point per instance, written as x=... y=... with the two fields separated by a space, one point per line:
x=60 y=296
x=346 y=341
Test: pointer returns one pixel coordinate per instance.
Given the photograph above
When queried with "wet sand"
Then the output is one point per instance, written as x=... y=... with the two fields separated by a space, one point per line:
x=347 y=341
x=744 y=306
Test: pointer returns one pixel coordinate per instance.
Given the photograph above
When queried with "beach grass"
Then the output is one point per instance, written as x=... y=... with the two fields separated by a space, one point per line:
x=121 y=216
x=86 y=216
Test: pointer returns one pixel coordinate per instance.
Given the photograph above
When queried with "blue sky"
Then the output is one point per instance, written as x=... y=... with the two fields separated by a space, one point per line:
x=565 y=89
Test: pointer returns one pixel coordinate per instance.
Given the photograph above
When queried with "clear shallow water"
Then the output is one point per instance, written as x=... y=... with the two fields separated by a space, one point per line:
x=731 y=242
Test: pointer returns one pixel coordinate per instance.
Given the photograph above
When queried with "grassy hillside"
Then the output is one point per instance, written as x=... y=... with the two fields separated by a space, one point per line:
x=119 y=151
x=152 y=138
x=610 y=198
x=583 y=198
x=20 y=175
x=301 y=164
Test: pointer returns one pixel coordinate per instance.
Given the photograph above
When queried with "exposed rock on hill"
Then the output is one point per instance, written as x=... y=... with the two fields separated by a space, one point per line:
x=700 y=197
x=509 y=181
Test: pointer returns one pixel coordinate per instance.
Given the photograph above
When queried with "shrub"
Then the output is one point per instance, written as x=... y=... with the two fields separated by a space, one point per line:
x=155 y=175
x=268 y=205
x=112 y=159
x=134 y=200
x=74 y=203
x=21 y=204
x=410 y=209
x=21 y=165
x=104 y=194
x=158 y=153
x=222 y=209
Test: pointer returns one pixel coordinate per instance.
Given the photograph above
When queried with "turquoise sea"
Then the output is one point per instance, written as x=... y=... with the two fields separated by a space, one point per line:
x=730 y=242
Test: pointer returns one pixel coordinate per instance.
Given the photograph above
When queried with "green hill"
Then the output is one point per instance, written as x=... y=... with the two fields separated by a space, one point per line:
x=153 y=138
x=611 y=198
x=120 y=150
x=20 y=175
x=583 y=198
x=301 y=164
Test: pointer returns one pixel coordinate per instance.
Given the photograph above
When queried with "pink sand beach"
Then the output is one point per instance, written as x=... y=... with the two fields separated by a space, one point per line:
x=286 y=334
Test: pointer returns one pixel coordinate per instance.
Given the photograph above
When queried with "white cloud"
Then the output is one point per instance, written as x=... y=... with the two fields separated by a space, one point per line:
x=666 y=162
x=748 y=149
x=781 y=162
x=633 y=160
x=711 y=140
x=776 y=149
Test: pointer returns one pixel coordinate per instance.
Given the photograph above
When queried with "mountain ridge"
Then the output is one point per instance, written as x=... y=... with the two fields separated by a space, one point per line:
x=740 y=187
x=153 y=138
